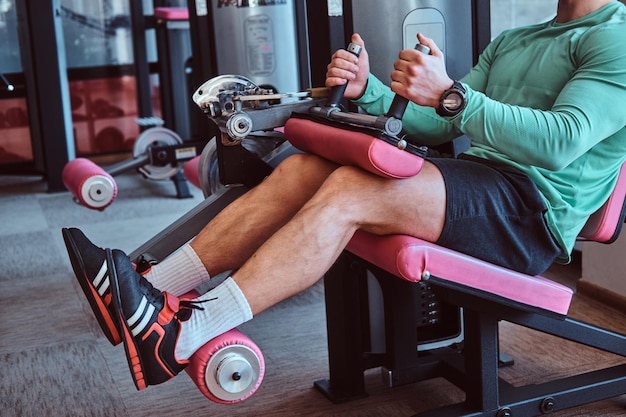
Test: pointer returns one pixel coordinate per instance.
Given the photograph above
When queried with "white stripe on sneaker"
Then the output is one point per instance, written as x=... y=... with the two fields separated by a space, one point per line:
x=104 y=288
x=144 y=322
x=138 y=313
x=101 y=280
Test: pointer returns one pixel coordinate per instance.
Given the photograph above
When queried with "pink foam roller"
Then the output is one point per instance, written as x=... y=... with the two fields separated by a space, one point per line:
x=91 y=185
x=191 y=171
x=347 y=147
x=227 y=369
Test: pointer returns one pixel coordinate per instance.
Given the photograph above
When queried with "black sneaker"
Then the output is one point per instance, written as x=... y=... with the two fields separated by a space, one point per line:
x=149 y=321
x=90 y=268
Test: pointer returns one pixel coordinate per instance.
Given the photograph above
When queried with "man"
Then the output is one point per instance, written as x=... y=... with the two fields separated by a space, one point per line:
x=543 y=108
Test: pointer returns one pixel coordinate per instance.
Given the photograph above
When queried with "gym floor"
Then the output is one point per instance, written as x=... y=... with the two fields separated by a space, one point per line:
x=56 y=362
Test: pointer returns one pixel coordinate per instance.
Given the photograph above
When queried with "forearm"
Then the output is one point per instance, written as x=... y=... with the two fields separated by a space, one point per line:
x=550 y=139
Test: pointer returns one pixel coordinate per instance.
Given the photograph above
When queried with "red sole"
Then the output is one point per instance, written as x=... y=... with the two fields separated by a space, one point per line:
x=100 y=310
x=132 y=355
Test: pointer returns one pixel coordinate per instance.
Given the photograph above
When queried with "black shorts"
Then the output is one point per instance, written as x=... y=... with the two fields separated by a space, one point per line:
x=494 y=212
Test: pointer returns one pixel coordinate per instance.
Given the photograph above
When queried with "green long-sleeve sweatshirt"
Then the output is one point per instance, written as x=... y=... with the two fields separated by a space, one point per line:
x=549 y=99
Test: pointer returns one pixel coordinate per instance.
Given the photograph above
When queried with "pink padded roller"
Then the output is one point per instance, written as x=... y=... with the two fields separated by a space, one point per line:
x=91 y=185
x=191 y=171
x=227 y=369
x=347 y=147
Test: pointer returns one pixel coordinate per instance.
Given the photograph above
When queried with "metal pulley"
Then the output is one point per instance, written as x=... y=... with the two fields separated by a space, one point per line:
x=238 y=126
x=156 y=136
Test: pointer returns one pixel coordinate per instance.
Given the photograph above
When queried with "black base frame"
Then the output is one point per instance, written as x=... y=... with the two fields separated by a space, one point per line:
x=471 y=365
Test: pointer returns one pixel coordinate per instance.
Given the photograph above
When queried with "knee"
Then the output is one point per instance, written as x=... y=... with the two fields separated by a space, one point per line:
x=348 y=177
x=347 y=184
x=304 y=167
x=296 y=162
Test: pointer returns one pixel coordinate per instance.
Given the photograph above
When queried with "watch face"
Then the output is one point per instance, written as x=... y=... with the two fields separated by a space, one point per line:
x=453 y=101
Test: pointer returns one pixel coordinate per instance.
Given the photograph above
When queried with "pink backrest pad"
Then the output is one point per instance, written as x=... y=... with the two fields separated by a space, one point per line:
x=605 y=224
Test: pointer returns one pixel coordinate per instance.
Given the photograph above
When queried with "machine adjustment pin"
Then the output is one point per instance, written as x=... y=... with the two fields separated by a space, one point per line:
x=393 y=126
x=425 y=275
x=401 y=144
x=505 y=412
x=547 y=405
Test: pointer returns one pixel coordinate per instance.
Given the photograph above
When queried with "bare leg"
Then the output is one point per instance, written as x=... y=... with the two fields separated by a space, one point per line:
x=238 y=231
x=291 y=228
x=298 y=254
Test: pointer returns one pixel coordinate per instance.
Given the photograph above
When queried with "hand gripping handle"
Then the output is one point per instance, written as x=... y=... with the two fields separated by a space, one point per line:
x=336 y=93
x=399 y=103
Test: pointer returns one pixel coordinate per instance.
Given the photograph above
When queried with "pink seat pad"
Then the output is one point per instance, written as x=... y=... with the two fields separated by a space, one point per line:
x=410 y=258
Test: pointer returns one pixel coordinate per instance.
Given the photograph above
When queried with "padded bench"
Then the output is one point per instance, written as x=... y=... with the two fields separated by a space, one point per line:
x=482 y=293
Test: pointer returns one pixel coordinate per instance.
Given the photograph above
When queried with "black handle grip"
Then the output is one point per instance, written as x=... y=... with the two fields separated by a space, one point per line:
x=399 y=103
x=336 y=93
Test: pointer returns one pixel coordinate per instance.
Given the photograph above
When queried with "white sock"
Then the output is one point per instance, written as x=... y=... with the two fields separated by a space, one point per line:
x=228 y=310
x=179 y=273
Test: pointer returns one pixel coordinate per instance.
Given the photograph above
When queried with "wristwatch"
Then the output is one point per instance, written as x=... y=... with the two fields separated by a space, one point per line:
x=452 y=101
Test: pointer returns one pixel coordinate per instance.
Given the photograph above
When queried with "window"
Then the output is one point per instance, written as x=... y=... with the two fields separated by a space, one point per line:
x=507 y=14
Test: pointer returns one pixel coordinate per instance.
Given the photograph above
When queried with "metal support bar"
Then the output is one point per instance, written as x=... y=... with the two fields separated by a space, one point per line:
x=187 y=227
x=203 y=61
x=181 y=184
x=302 y=28
x=277 y=115
x=481 y=18
x=128 y=164
x=326 y=34
x=344 y=327
x=140 y=55
x=173 y=51
x=47 y=93
x=481 y=361
x=534 y=318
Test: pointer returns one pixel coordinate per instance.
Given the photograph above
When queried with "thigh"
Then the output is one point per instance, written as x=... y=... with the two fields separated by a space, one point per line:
x=413 y=206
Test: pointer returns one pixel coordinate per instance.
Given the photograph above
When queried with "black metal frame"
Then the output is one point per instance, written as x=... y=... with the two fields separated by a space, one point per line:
x=47 y=95
x=187 y=227
x=472 y=365
x=481 y=19
x=140 y=55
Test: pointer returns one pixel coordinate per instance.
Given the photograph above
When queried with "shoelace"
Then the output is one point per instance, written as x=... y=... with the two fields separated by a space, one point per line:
x=187 y=307
x=145 y=262
x=194 y=304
